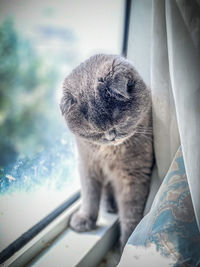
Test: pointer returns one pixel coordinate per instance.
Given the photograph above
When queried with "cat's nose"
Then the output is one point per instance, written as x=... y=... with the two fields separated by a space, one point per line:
x=110 y=135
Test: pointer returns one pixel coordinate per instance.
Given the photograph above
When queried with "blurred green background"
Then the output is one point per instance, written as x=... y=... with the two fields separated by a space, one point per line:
x=27 y=97
x=40 y=43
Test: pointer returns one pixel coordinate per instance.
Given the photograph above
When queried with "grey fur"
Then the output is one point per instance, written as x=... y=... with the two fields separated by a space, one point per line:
x=107 y=106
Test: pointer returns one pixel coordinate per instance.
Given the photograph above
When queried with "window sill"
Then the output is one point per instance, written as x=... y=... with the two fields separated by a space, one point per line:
x=58 y=245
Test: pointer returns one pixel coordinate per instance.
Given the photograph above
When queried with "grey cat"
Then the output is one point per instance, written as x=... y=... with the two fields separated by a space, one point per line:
x=107 y=106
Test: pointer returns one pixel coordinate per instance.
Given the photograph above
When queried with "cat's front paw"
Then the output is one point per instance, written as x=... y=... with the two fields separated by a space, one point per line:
x=81 y=223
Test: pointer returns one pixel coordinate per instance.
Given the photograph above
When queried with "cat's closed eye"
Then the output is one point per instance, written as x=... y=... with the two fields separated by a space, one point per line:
x=84 y=109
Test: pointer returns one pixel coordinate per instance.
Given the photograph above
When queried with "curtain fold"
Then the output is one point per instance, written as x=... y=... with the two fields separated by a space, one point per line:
x=166 y=135
x=175 y=83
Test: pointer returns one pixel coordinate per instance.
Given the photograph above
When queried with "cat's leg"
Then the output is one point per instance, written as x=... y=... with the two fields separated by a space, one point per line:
x=85 y=218
x=108 y=199
x=131 y=195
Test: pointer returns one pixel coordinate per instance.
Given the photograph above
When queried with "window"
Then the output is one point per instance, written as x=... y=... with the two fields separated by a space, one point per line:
x=40 y=42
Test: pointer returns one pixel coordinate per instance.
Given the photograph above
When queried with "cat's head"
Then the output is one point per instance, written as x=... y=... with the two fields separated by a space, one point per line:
x=104 y=99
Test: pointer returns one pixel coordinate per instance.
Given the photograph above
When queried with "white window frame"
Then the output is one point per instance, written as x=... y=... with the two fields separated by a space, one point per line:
x=54 y=239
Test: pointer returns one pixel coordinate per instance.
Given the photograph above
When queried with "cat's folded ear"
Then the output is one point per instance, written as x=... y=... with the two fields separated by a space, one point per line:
x=123 y=87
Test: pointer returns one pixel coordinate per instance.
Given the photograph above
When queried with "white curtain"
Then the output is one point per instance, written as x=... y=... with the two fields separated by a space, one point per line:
x=172 y=53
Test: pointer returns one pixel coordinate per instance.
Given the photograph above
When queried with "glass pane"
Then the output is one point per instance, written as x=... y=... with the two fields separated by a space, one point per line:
x=40 y=42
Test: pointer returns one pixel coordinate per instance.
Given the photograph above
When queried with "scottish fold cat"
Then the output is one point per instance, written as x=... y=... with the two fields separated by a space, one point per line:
x=107 y=106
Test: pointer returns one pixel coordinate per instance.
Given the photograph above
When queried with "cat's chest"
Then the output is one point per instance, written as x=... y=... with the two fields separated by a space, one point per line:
x=110 y=159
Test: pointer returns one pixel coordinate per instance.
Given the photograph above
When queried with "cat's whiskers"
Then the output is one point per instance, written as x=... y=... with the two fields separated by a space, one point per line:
x=144 y=129
x=144 y=133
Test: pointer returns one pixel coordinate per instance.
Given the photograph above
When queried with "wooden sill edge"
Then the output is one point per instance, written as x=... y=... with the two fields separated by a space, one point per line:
x=42 y=248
